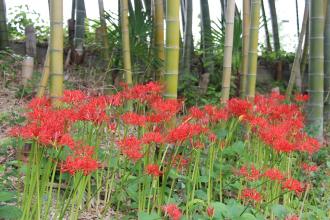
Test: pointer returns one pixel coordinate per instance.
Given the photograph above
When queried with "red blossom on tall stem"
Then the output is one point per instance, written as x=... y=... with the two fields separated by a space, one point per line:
x=172 y=211
x=251 y=195
x=293 y=185
x=153 y=170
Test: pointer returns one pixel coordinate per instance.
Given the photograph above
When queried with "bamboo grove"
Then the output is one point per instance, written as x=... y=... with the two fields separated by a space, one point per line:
x=135 y=116
x=172 y=50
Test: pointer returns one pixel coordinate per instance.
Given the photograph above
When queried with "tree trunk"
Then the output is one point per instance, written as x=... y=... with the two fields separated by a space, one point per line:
x=56 y=51
x=296 y=63
x=188 y=38
x=316 y=69
x=125 y=42
x=245 y=49
x=206 y=38
x=228 y=50
x=3 y=26
x=104 y=34
x=159 y=37
x=172 y=49
x=79 y=32
x=253 y=49
x=327 y=64
x=273 y=15
x=264 y=19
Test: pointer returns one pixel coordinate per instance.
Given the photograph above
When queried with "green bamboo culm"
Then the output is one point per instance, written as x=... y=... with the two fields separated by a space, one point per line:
x=316 y=69
x=56 y=51
x=3 y=26
x=44 y=77
x=253 y=50
x=273 y=16
x=228 y=52
x=105 y=48
x=78 y=40
x=327 y=64
x=296 y=63
x=245 y=48
x=125 y=42
x=172 y=49
x=159 y=37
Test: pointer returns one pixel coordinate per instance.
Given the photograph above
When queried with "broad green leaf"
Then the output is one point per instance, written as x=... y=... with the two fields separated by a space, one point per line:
x=147 y=216
x=220 y=210
x=279 y=210
x=7 y=196
x=10 y=212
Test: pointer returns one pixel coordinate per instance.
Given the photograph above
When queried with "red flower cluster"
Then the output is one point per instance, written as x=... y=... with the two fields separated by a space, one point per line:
x=292 y=217
x=250 y=173
x=274 y=174
x=153 y=170
x=131 y=147
x=172 y=211
x=251 y=195
x=152 y=137
x=293 y=185
x=132 y=118
x=309 y=168
x=184 y=132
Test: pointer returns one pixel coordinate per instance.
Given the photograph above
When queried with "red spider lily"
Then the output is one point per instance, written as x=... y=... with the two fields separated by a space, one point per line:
x=274 y=174
x=132 y=118
x=210 y=211
x=196 y=113
x=185 y=131
x=197 y=145
x=168 y=106
x=251 y=195
x=212 y=137
x=73 y=96
x=112 y=126
x=73 y=164
x=238 y=107
x=39 y=103
x=130 y=146
x=309 y=168
x=92 y=111
x=172 y=211
x=152 y=137
x=301 y=97
x=250 y=173
x=153 y=170
x=116 y=99
x=292 y=217
x=179 y=162
x=293 y=185
x=66 y=140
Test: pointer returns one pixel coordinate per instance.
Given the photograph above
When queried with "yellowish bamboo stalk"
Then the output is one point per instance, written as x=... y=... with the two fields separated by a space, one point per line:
x=125 y=42
x=44 y=77
x=105 y=48
x=172 y=49
x=246 y=26
x=228 y=52
x=56 y=51
x=253 y=49
x=159 y=36
x=296 y=62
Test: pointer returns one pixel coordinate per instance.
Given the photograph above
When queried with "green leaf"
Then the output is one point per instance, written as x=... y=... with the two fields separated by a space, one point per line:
x=146 y=216
x=10 y=212
x=236 y=148
x=7 y=196
x=279 y=210
x=220 y=210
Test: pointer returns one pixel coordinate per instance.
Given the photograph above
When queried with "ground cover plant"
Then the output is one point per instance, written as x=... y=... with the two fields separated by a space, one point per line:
x=146 y=157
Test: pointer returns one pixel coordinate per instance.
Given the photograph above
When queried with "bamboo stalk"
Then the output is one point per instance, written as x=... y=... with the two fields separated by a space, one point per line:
x=3 y=26
x=188 y=41
x=296 y=63
x=253 y=49
x=246 y=25
x=228 y=50
x=159 y=36
x=273 y=16
x=105 y=48
x=327 y=64
x=79 y=32
x=264 y=19
x=126 y=43
x=172 y=49
x=56 y=51
x=44 y=77
x=316 y=69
